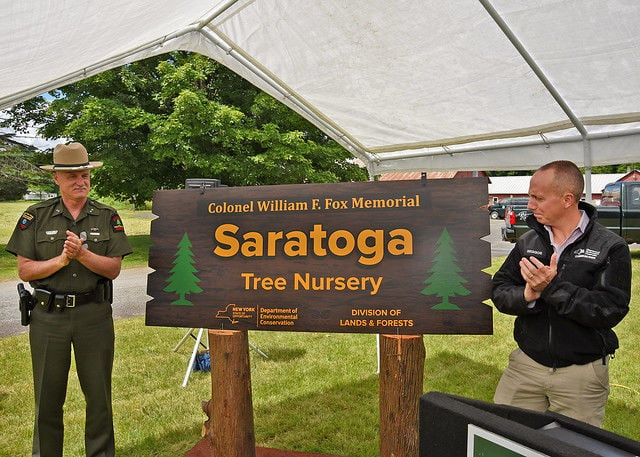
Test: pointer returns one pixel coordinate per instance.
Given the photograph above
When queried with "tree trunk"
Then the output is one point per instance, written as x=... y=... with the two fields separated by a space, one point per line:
x=232 y=431
x=401 y=375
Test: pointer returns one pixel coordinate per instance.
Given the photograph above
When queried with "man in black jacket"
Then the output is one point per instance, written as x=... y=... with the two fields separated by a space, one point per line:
x=568 y=281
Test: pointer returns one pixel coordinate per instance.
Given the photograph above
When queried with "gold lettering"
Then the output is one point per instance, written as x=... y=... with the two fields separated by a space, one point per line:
x=253 y=245
x=334 y=243
x=401 y=242
x=273 y=237
x=370 y=244
x=372 y=255
x=223 y=237
x=318 y=235
x=296 y=244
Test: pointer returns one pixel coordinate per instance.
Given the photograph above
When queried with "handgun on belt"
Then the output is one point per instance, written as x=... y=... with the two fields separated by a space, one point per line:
x=26 y=304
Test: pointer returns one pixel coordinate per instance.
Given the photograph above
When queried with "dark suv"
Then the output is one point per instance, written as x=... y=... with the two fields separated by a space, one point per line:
x=517 y=203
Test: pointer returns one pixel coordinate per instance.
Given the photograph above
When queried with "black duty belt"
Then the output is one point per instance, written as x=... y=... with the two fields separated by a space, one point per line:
x=51 y=300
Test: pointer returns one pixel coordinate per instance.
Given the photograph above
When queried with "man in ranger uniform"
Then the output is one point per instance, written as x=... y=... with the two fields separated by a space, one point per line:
x=568 y=281
x=70 y=248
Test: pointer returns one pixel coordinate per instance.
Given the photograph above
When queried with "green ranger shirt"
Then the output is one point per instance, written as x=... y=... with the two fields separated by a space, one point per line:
x=41 y=232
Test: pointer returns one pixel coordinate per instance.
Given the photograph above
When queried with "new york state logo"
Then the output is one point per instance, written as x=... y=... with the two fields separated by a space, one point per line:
x=585 y=253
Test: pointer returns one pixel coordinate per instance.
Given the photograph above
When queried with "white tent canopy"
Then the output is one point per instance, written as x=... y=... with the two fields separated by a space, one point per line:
x=403 y=85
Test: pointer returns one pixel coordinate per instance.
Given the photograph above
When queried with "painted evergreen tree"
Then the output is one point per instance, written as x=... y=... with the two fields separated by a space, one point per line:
x=445 y=280
x=183 y=280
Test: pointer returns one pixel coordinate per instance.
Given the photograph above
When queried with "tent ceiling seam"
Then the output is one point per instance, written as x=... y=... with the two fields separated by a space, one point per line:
x=548 y=142
x=92 y=69
x=70 y=77
x=442 y=142
x=287 y=93
x=505 y=134
x=214 y=14
x=528 y=58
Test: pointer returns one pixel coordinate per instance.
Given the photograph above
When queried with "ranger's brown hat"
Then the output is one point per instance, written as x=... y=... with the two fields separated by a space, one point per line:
x=70 y=157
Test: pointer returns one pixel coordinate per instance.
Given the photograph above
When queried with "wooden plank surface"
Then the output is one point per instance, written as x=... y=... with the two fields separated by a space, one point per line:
x=376 y=257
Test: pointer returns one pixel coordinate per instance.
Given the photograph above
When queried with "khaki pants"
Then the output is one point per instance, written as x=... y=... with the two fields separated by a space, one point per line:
x=577 y=391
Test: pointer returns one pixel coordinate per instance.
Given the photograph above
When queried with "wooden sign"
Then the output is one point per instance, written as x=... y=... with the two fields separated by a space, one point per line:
x=400 y=257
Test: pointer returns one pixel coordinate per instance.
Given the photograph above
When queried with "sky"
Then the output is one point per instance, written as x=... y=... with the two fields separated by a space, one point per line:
x=31 y=138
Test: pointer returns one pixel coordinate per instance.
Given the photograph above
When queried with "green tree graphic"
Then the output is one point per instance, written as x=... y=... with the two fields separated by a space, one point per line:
x=445 y=281
x=183 y=280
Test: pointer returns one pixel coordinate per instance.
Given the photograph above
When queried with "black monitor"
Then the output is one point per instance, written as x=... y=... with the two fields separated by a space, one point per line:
x=453 y=426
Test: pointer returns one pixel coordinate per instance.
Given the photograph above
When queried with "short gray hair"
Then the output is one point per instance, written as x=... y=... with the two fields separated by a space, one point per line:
x=567 y=177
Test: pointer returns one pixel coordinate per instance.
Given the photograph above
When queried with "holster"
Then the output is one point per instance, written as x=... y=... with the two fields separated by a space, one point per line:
x=25 y=304
x=107 y=290
x=44 y=298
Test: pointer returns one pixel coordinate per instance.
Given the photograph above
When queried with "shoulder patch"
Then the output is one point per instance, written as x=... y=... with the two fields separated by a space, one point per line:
x=116 y=224
x=25 y=220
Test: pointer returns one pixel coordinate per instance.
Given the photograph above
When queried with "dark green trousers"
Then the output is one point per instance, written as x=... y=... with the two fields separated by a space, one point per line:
x=87 y=328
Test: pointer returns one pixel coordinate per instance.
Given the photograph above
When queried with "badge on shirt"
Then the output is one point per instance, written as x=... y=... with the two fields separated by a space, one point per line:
x=116 y=224
x=585 y=254
x=25 y=220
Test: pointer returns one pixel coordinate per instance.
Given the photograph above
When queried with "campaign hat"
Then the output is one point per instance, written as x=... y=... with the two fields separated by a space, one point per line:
x=70 y=157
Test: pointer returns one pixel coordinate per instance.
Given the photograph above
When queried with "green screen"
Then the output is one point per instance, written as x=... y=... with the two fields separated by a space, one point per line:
x=486 y=448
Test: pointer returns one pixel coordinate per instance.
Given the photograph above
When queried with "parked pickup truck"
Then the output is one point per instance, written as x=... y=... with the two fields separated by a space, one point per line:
x=619 y=211
x=498 y=209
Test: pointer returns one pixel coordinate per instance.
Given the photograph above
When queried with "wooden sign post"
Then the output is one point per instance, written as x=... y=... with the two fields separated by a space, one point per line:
x=401 y=375
x=231 y=406
x=392 y=258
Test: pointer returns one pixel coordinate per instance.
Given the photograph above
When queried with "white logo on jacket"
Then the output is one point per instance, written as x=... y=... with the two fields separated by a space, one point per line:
x=585 y=254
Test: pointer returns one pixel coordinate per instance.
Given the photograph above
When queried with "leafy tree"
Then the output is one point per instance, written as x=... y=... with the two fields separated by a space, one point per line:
x=11 y=189
x=158 y=121
x=620 y=168
x=18 y=172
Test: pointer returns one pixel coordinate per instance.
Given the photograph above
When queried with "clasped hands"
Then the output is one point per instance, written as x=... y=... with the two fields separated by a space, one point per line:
x=72 y=247
x=537 y=275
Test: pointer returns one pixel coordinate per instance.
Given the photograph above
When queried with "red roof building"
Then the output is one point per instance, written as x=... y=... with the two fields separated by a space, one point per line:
x=409 y=175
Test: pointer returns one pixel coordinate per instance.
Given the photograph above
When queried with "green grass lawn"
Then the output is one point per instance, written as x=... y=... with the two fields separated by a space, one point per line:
x=317 y=392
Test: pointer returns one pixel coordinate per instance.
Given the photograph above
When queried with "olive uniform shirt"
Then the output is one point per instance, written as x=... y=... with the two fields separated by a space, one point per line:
x=41 y=232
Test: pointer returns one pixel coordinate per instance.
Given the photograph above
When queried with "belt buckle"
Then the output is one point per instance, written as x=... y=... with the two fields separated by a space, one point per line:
x=70 y=301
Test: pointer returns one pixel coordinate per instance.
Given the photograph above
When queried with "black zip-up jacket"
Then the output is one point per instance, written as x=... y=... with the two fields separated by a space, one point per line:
x=571 y=323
